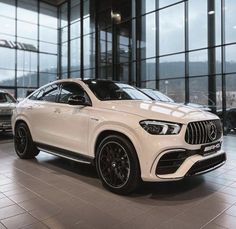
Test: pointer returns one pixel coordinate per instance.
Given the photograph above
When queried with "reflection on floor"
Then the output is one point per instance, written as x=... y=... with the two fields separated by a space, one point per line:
x=50 y=192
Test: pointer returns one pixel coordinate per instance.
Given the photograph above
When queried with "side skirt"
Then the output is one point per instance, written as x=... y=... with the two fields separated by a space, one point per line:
x=65 y=153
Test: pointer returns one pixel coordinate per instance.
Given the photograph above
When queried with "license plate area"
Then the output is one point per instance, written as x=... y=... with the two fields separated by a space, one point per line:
x=210 y=148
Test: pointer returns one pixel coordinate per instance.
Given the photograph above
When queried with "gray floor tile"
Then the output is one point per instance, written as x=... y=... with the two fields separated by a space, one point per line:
x=18 y=221
x=10 y=211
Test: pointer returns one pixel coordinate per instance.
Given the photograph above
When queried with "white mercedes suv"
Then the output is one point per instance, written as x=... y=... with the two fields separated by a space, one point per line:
x=123 y=132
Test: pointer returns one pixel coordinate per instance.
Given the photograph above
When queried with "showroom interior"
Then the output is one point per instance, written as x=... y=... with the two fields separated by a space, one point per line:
x=186 y=49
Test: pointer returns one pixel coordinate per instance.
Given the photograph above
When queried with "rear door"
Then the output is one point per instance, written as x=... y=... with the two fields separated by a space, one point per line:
x=41 y=110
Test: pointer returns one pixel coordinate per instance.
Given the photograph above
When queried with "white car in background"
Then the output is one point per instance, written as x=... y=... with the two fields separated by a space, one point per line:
x=159 y=96
x=7 y=104
x=123 y=132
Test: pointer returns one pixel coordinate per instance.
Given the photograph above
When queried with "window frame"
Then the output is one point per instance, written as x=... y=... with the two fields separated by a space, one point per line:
x=78 y=85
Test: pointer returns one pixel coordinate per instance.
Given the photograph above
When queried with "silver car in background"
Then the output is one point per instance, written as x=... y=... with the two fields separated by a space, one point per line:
x=7 y=104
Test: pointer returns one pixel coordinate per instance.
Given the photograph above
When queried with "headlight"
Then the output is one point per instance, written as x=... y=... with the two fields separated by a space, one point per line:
x=160 y=127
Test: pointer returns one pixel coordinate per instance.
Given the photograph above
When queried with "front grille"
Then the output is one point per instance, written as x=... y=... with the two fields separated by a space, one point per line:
x=170 y=162
x=206 y=165
x=200 y=132
x=5 y=118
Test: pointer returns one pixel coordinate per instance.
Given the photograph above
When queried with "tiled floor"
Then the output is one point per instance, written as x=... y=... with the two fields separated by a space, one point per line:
x=50 y=192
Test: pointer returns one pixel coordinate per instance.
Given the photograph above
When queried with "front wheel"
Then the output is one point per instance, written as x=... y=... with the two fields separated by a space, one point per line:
x=24 y=145
x=117 y=165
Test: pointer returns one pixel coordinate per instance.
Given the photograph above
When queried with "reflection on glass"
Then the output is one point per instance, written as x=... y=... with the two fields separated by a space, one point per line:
x=27 y=30
x=47 y=47
x=148 y=72
x=231 y=91
x=89 y=73
x=230 y=58
x=45 y=78
x=26 y=79
x=148 y=36
x=64 y=14
x=172 y=31
x=64 y=34
x=75 y=30
x=75 y=74
x=23 y=92
x=47 y=34
x=163 y=3
x=48 y=15
x=218 y=60
x=124 y=42
x=48 y=63
x=75 y=13
x=27 y=10
x=64 y=57
x=148 y=6
x=174 y=88
x=197 y=24
x=7 y=8
x=172 y=66
x=218 y=22
x=230 y=21
x=198 y=90
x=75 y=54
x=89 y=51
x=7 y=58
x=7 y=26
x=7 y=77
x=198 y=63
x=27 y=61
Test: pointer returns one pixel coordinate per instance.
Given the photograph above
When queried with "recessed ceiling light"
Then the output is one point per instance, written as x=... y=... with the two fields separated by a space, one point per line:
x=211 y=12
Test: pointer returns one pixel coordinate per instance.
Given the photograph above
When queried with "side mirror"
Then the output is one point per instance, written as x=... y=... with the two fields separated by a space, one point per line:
x=77 y=100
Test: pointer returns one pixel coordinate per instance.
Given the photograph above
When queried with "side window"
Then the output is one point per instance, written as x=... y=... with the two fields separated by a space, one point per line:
x=2 y=98
x=49 y=93
x=9 y=99
x=71 y=89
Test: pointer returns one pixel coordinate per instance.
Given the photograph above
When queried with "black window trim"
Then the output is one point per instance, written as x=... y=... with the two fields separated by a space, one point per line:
x=77 y=84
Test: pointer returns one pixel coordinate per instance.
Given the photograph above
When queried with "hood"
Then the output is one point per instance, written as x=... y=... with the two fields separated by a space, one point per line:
x=200 y=106
x=157 y=110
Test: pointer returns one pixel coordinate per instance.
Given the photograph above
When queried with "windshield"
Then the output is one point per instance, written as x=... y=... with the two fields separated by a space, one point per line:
x=108 y=90
x=156 y=95
x=5 y=98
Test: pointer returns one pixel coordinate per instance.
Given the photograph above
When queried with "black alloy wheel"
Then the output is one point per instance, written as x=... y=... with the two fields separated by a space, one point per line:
x=24 y=145
x=117 y=165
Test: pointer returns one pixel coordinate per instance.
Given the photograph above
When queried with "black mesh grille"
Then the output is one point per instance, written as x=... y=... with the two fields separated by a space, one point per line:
x=5 y=117
x=199 y=132
x=170 y=162
x=205 y=165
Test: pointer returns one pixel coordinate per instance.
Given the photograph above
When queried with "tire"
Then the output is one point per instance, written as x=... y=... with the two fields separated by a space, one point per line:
x=24 y=146
x=117 y=165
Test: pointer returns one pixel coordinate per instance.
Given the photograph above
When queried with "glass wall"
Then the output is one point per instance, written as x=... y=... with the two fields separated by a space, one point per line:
x=28 y=45
x=184 y=48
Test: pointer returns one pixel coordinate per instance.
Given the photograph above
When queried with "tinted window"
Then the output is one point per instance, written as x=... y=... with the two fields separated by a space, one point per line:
x=49 y=94
x=108 y=90
x=5 y=98
x=71 y=89
x=10 y=99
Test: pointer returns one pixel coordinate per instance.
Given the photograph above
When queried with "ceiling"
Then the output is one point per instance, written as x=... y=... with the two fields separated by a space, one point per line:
x=55 y=2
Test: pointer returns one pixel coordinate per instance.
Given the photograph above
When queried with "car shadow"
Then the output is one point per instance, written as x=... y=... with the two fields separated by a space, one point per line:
x=6 y=135
x=172 y=192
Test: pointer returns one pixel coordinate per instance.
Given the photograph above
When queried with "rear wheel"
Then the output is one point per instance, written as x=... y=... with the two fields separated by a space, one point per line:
x=117 y=165
x=24 y=145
